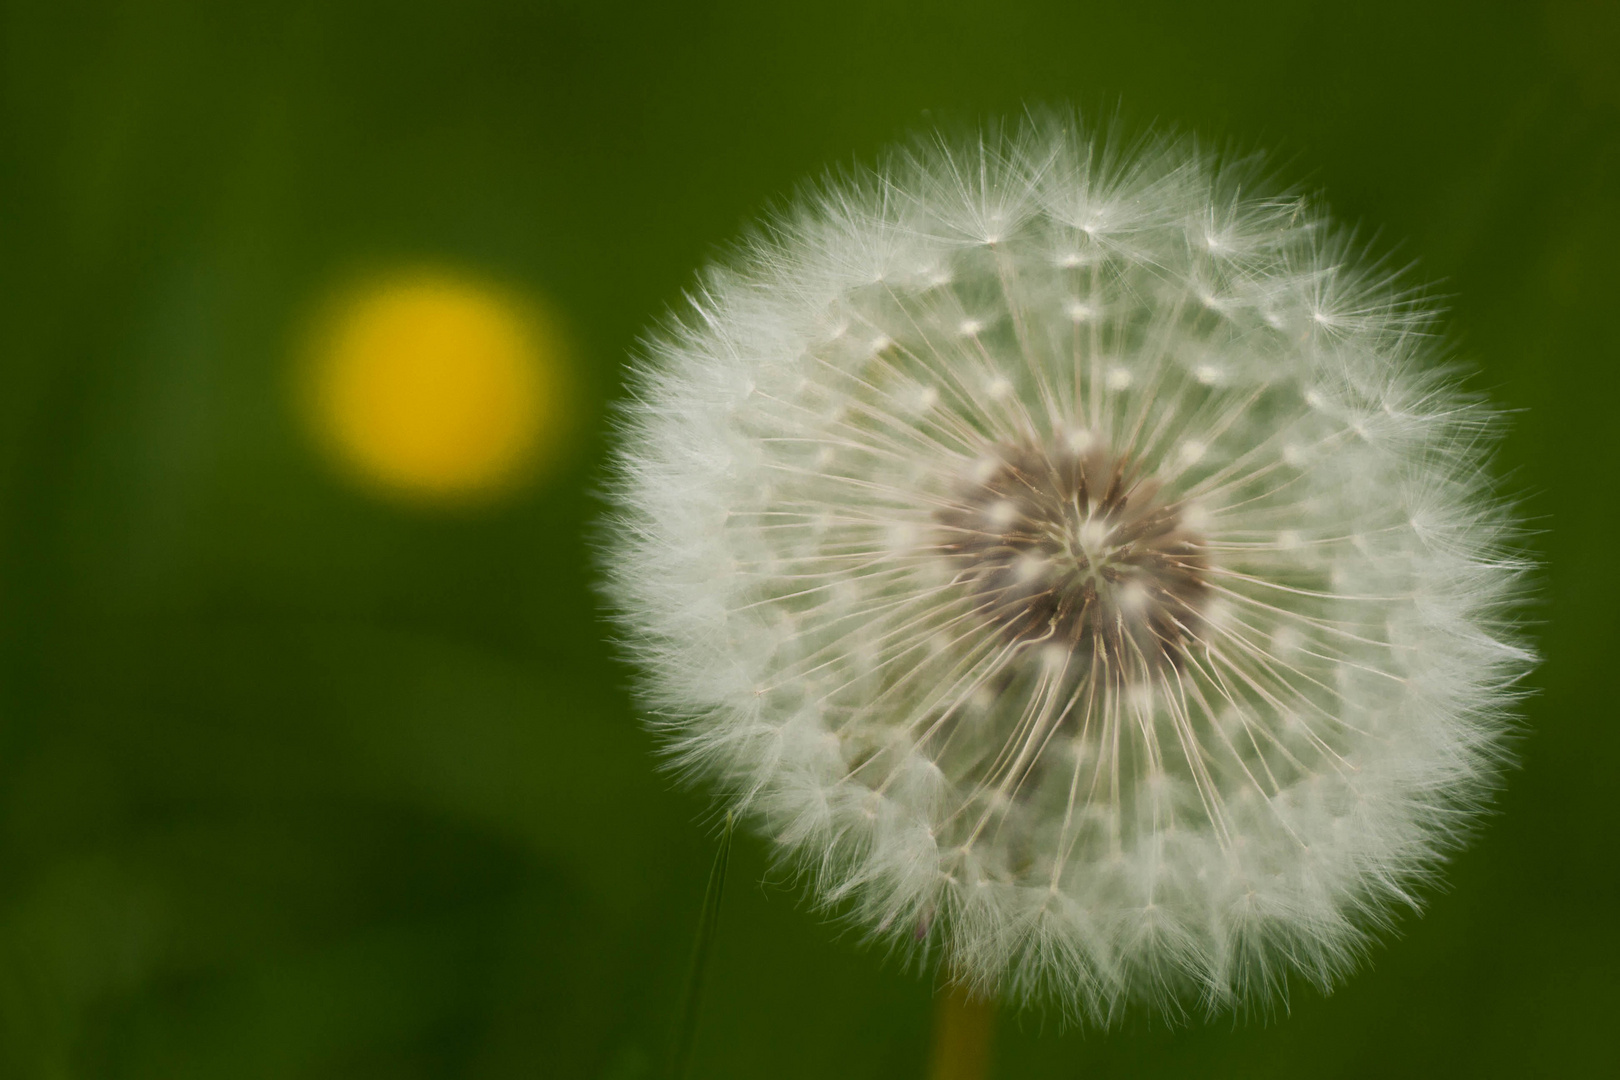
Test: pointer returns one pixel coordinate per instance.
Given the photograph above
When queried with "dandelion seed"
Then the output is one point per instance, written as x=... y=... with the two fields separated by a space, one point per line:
x=1124 y=650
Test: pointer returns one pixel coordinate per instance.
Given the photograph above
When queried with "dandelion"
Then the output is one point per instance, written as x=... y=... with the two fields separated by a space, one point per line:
x=1077 y=565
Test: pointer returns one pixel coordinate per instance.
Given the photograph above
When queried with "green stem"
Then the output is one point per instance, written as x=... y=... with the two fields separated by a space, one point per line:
x=680 y=1051
x=964 y=1027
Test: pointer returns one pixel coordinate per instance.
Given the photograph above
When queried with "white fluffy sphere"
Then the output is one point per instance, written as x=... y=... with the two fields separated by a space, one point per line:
x=1076 y=563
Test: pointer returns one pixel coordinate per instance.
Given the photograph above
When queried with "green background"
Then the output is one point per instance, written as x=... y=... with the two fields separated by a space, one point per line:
x=296 y=782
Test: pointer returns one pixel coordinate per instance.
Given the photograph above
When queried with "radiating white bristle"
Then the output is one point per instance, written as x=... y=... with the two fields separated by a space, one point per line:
x=1066 y=818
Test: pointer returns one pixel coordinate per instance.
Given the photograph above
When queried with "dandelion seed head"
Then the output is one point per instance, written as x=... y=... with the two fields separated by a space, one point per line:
x=1077 y=563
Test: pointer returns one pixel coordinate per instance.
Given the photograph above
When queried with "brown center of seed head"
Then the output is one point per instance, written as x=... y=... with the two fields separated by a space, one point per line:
x=1075 y=548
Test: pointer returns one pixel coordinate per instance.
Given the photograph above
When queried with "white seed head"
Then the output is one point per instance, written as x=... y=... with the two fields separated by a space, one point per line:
x=1095 y=584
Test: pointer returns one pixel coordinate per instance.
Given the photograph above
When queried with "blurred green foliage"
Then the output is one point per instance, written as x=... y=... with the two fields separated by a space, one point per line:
x=296 y=782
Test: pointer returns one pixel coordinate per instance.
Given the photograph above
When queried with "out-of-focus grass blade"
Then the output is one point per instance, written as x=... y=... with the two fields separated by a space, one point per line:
x=680 y=1050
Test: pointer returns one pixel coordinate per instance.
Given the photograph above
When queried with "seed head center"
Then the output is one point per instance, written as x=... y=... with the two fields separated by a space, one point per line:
x=1078 y=549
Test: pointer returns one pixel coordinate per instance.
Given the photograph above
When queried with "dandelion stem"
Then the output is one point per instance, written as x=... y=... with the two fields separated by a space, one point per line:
x=964 y=1027
x=680 y=1050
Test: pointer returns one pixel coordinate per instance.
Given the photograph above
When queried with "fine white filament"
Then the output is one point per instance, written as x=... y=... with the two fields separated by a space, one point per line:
x=1077 y=564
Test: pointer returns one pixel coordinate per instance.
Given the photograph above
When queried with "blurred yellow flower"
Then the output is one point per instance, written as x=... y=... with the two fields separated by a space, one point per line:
x=437 y=386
